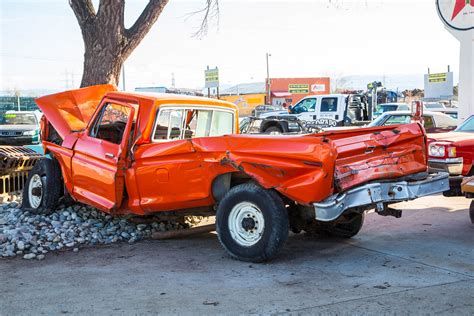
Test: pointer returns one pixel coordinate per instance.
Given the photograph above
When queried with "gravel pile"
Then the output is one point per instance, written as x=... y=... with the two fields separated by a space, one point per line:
x=33 y=236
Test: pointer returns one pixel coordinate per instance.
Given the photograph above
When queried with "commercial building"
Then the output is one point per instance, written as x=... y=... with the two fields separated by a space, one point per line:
x=290 y=90
x=246 y=96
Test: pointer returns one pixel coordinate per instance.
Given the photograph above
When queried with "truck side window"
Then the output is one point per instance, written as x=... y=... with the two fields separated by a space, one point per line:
x=111 y=122
x=169 y=125
x=305 y=105
x=329 y=105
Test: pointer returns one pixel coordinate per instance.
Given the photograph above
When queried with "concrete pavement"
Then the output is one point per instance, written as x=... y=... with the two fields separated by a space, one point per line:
x=422 y=263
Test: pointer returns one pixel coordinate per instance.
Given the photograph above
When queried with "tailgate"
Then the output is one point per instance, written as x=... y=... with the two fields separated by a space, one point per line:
x=380 y=153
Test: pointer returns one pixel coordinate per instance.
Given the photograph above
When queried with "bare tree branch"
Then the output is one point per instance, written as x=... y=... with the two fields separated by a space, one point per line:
x=144 y=23
x=84 y=10
x=211 y=11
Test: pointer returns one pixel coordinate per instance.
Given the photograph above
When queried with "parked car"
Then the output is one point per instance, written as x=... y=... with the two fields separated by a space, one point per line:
x=434 y=106
x=127 y=153
x=390 y=107
x=451 y=112
x=20 y=128
x=453 y=152
x=432 y=121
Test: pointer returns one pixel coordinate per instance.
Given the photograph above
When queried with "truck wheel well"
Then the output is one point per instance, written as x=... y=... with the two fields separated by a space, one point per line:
x=224 y=182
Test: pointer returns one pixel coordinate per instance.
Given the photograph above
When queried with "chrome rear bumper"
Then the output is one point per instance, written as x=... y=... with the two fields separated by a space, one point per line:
x=377 y=193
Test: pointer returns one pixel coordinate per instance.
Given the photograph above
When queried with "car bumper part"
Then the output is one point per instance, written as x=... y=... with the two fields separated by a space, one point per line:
x=377 y=193
x=19 y=140
x=453 y=166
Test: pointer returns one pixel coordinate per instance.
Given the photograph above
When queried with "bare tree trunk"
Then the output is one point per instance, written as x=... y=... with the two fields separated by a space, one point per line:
x=108 y=43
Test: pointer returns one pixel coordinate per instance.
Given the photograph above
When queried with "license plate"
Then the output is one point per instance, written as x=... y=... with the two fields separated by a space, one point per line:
x=9 y=133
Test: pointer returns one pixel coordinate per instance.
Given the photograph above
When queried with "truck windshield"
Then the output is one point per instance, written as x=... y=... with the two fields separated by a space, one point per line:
x=467 y=126
x=18 y=119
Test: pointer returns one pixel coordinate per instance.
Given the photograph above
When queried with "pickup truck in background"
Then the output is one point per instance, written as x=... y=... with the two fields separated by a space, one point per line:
x=174 y=155
x=318 y=111
x=453 y=152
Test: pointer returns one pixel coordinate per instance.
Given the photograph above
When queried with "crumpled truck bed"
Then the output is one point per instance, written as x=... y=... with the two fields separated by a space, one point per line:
x=310 y=168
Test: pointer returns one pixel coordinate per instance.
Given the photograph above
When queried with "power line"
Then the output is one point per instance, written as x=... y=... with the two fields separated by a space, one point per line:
x=39 y=58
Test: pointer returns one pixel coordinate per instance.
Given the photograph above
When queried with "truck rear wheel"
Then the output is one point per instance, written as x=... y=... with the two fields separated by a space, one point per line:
x=252 y=223
x=347 y=226
x=43 y=188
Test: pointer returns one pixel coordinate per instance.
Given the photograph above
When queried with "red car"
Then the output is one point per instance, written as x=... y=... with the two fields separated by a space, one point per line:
x=453 y=152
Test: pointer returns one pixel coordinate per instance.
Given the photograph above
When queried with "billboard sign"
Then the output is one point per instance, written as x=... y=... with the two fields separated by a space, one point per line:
x=298 y=88
x=211 y=77
x=439 y=86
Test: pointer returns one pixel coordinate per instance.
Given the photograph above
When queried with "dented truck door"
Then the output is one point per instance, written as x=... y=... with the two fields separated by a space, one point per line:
x=99 y=156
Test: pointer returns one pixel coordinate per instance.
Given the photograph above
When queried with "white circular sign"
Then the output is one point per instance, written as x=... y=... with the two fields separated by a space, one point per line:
x=457 y=14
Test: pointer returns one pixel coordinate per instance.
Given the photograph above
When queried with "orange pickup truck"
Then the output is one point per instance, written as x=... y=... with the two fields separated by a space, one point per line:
x=127 y=153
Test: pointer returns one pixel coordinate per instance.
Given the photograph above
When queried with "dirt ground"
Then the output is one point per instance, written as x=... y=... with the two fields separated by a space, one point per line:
x=422 y=263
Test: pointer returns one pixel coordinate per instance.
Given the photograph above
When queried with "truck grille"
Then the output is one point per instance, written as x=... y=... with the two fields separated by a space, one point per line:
x=10 y=133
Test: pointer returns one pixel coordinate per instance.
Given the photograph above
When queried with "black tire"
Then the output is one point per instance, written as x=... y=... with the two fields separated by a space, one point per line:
x=471 y=211
x=51 y=189
x=273 y=129
x=347 y=226
x=269 y=207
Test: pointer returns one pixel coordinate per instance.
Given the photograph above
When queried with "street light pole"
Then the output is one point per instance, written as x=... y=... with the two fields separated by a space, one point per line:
x=268 y=80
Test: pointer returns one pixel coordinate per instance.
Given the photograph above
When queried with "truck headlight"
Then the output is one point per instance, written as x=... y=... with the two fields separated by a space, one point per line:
x=436 y=150
x=30 y=133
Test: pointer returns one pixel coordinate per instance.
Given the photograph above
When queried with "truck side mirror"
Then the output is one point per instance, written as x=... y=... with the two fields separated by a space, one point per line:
x=290 y=109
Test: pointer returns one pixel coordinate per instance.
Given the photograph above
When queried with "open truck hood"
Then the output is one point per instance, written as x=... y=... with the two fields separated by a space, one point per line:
x=71 y=110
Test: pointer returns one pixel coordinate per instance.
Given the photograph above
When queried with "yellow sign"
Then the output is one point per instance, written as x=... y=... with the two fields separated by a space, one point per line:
x=434 y=78
x=211 y=78
x=298 y=88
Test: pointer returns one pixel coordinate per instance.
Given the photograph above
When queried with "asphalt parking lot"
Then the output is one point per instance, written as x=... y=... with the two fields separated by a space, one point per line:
x=422 y=263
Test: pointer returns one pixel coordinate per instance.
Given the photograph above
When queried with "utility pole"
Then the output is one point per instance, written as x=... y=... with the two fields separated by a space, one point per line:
x=66 y=79
x=268 y=81
x=72 y=80
x=173 y=83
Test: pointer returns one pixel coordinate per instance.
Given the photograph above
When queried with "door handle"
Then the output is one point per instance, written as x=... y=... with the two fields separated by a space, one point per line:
x=109 y=155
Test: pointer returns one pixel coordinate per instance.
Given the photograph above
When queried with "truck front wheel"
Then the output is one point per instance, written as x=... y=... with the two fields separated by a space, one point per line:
x=252 y=223
x=43 y=188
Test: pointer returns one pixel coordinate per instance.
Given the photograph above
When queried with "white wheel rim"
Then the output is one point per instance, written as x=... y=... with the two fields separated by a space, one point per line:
x=246 y=224
x=35 y=191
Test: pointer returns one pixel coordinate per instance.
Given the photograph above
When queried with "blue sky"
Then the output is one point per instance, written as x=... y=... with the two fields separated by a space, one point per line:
x=41 y=41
